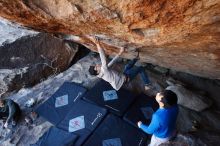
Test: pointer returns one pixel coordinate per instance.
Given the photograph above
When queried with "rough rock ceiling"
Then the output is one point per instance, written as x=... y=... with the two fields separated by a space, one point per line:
x=180 y=34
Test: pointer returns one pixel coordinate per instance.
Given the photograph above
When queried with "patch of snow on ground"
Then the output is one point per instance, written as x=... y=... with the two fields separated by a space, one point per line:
x=9 y=32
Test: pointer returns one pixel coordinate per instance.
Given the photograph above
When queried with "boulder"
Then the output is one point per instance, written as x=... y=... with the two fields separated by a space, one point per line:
x=30 y=60
x=190 y=99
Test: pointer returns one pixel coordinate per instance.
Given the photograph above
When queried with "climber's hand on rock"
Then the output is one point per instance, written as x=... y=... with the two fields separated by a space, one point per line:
x=95 y=40
x=122 y=49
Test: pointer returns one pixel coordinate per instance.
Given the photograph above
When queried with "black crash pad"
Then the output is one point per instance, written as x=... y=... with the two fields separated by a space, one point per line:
x=92 y=115
x=49 y=111
x=56 y=137
x=117 y=132
x=117 y=106
x=140 y=110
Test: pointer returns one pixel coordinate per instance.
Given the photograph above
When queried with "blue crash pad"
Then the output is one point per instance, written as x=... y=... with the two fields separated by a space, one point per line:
x=117 y=132
x=90 y=114
x=141 y=110
x=56 y=137
x=57 y=106
x=104 y=95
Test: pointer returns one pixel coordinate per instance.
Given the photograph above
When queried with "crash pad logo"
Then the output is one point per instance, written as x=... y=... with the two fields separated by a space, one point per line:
x=76 y=124
x=61 y=101
x=110 y=95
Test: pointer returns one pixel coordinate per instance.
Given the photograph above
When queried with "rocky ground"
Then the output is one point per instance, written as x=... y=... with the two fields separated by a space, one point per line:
x=195 y=128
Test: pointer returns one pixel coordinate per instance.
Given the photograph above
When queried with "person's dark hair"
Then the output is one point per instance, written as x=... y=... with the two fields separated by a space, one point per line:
x=92 y=70
x=169 y=98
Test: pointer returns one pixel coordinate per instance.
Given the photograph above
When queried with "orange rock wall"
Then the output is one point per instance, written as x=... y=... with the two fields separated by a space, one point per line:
x=180 y=34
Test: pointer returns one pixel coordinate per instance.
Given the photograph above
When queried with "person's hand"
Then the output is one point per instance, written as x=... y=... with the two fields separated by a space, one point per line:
x=122 y=49
x=95 y=40
x=139 y=123
x=6 y=125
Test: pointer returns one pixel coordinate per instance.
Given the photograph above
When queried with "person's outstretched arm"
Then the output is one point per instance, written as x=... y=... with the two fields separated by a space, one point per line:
x=102 y=55
x=154 y=125
x=100 y=50
x=116 y=57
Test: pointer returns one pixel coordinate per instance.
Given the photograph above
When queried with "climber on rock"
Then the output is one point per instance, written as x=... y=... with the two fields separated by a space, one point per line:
x=115 y=78
x=163 y=122
x=9 y=111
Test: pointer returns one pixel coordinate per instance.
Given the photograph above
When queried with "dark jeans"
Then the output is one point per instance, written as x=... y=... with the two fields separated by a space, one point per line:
x=132 y=71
